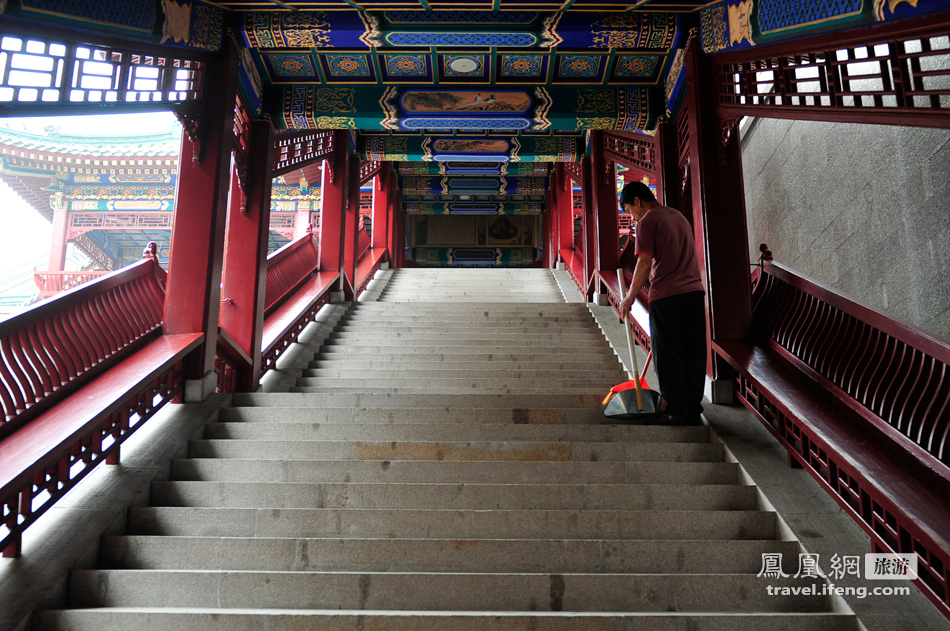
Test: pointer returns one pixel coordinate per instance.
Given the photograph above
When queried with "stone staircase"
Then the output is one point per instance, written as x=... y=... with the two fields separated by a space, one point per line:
x=443 y=463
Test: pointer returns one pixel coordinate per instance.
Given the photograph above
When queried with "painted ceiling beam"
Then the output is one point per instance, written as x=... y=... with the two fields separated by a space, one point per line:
x=473 y=168
x=467 y=149
x=474 y=109
x=478 y=185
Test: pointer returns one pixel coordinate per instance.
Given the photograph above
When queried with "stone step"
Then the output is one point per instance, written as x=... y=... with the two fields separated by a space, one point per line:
x=490 y=309
x=354 y=414
x=458 y=319
x=340 y=361
x=289 y=429
x=438 y=384
x=535 y=354
x=483 y=556
x=403 y=472
x=396 y=371
x=453 y=320
x=455 y=496
x=444 y=402
x=241 y=619
x=486 y=451
x=451 y=524
x=437 y=591
x=437 y=391
x=565 y=347
x=471 y=332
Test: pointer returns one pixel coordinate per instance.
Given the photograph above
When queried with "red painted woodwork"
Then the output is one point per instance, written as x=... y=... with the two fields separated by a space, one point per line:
x=197 y=244
x=564 y=198
x=669 y=175
x=42 y=460
x=231 y=365
x=52 y=283
x=574 y=170
x=640 y=322
x=299 y=149
x=368 y=170
x=52 y=348
x=367 y=266
x=246 y=265
x=398 y=244
x=718 y=210
x=604 y=206
x=363 y=240
x=351 y=229
x=333 y=183
x=382 y=206
x=288 y=268
x=860 y=399
x=141 y=77
x=287 y=320
x=890 y=74
x=636 y=151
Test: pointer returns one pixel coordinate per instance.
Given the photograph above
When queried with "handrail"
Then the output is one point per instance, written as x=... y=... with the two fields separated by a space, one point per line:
x=364 y=241
x=53 y=347
x=897 y=374
x=288 y=267
x=230 y=362
x=50 y=283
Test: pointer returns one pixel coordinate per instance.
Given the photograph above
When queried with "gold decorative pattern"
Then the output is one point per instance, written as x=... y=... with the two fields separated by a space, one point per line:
x=715 y=33
x=596 y=123
x=305 y=29
x=341 y=100
x=395 y=145
x=546 y=146
x=335 y=122
x=592 y=101
x=619 y=20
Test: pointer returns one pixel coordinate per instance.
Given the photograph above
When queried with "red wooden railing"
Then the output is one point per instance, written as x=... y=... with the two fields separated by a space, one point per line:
x=57 y=353
x=288 y=267
x=52 y=348
x=898 y=374
x=880 y=444
x=52 y=283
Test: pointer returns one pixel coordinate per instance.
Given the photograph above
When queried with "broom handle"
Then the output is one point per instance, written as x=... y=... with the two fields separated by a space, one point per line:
x=630 y=347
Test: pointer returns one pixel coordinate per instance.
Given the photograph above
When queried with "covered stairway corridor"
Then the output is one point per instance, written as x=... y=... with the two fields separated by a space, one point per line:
x=438 y=462
x=520 y=119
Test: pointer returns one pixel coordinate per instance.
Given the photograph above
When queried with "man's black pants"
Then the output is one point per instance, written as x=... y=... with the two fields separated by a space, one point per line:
x=678 y=338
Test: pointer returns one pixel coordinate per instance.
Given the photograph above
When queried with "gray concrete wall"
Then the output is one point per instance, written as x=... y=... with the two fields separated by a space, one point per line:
x=864 y=209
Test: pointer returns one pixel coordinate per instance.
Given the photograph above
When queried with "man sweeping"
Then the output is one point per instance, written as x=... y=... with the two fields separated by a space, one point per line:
x=666 y=256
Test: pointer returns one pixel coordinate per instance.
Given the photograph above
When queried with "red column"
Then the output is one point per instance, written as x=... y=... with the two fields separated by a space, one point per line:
x=602 y=179
x=588 y=225
x=57 y=250
x=547 y=230
x=565 y=209
x=399 y=232
x=333 y=179
x=718 y=200
x=395 y=206
x=668 y=177
x=381 y=206
x=197 y=244
x=351 y=223
x=245 y=277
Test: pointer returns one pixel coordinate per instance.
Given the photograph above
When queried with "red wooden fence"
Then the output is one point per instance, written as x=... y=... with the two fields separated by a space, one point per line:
x=50 y=349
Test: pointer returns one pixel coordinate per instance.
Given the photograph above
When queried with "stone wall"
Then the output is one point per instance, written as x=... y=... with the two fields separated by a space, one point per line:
x=864 y=209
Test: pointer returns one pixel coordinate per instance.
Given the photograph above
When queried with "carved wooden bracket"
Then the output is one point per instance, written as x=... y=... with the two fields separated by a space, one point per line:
x=191 y=125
